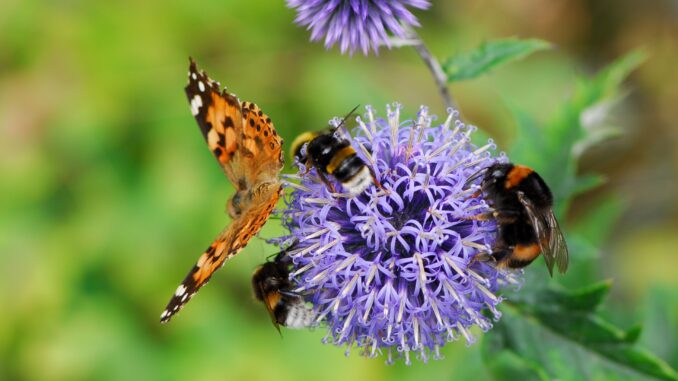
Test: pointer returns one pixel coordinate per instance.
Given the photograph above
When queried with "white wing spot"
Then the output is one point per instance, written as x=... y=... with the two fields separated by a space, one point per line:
x=203 y=258
x=201 y=86
x=181 y=290
x=196 y=103
x=194 y=76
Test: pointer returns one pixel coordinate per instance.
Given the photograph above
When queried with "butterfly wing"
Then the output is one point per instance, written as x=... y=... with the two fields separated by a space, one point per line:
x=229 y=243
x=219 y=117
x=241 y=137
x=248 y=148
x=551 y=240
x=260 y=153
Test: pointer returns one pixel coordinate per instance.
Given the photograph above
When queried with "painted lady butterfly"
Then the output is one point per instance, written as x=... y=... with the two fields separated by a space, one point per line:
x=249 y=150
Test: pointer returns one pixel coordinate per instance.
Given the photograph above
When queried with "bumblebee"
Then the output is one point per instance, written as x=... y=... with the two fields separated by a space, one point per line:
x=272 y=286
x=334 y=156
x=523 y=208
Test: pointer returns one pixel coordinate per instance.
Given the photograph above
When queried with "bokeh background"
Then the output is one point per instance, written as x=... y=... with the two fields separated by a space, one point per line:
x=108 y=194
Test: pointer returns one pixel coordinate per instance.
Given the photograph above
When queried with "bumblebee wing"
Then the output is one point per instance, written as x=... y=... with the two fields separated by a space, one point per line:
x=556 y=247
x=268 y=300
x=551 y=240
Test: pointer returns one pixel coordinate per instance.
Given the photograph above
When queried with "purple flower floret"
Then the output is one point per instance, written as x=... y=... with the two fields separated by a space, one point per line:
x=391 y=270
x=356 y=24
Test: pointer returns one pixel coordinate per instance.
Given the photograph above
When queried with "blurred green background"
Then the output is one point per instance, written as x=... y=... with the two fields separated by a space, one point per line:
x=108 y=193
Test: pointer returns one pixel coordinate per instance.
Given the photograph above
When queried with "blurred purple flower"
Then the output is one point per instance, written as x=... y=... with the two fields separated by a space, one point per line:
x=392 y=270
x=356 y=24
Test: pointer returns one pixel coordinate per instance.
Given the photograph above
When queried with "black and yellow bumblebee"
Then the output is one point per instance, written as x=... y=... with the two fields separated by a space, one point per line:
x=334 y=156
x=522 y=205
x=272 y=286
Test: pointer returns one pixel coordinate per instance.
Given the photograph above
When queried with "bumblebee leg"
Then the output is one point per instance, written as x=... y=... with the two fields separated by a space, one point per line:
x=505 y=217
x=502 y=256
x=501 y=217
x=499 y=255
x=327 y=182
x=480 y=217
x=482 y=257
x=290 y=294
x=374 y=178
x=307 y=166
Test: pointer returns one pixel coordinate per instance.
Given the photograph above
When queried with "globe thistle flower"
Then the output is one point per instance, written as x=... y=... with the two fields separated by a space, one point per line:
x=356 y=24
x=393 y=270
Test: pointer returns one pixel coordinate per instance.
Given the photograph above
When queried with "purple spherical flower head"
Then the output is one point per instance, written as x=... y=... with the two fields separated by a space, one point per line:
x=392 y=270
x=356 y=24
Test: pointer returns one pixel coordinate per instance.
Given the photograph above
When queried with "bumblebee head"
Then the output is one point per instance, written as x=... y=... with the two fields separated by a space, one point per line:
x=297 y=150
x=268 y=278
x=299 y=143
x=494 y=174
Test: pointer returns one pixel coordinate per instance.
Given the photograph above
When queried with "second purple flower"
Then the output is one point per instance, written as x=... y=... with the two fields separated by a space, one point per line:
x=356 y=24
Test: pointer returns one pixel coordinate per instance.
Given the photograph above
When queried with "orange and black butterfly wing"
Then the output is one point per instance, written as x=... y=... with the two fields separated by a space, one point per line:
x=550 y=237
x=209 y=262
x=248 y=148
x=241 y=137
x=219 y=116
x=229 y=243
x=260 y=151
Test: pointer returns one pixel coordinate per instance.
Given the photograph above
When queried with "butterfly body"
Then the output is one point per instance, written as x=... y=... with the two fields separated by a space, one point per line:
x=245 y=143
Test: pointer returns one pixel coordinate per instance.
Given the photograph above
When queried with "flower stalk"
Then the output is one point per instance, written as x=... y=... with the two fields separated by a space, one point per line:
x=433 y=66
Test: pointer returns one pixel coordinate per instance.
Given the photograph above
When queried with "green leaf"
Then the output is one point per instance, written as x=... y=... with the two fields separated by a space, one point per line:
x=488 y=56
x=596 y=224
x=503 y=364
x=560 y=332
x=586 y=183
x=661 y=321
x=597 y=128
x=584 y=250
